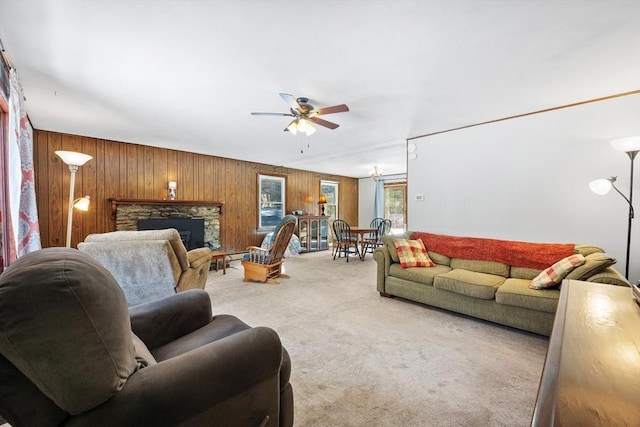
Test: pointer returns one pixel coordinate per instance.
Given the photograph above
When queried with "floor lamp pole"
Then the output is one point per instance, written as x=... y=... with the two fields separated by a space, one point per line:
x=72 y=184
x=632 y=156
x=74 y=160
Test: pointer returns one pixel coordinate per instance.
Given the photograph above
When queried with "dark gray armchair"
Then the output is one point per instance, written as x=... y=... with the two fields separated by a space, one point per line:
x=71 y=353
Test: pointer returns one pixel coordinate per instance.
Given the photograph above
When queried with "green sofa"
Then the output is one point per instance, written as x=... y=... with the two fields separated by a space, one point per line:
x=484 y=288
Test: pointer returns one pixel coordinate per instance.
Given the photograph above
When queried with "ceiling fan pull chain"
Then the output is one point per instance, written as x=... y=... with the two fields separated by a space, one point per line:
x=302 y=143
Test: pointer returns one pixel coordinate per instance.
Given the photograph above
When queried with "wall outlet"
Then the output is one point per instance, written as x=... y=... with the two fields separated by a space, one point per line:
x=420 y=197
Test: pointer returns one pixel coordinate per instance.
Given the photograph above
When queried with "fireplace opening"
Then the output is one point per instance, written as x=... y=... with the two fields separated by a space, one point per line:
x=191 y=229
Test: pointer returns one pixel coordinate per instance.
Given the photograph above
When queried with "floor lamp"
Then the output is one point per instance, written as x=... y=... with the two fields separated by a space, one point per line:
x=631 y=146
x=74 y=161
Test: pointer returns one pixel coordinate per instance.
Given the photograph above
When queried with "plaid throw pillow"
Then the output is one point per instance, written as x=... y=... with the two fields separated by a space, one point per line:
x=554 y=274
x=412 y=253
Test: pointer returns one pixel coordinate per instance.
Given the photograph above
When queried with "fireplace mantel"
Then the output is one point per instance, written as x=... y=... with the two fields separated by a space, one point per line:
x=116 y=202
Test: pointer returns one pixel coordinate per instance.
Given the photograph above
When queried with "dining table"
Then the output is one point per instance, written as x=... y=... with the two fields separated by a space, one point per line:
x=360 y=233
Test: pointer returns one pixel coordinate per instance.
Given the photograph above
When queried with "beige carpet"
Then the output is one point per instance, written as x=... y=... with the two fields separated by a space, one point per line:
x=363 y=360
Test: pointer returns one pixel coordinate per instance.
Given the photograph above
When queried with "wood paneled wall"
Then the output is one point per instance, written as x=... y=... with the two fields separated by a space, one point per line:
x=126 y=170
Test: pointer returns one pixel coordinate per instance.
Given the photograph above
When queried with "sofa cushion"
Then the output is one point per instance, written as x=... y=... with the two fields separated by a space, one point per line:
x=438 y=258
x=143 y=356
x=64 y=324
x=610 y=276
x=524 y=272
x=412 y=253
x=469 y=283
x=418 y=274
x=593 y=264
x=554 y=274
x=586 y=250
x=488 y=267
x=388 y=240
x=516 y=292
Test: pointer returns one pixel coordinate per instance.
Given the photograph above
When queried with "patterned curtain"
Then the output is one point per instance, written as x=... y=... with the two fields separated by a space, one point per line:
x=22 y=217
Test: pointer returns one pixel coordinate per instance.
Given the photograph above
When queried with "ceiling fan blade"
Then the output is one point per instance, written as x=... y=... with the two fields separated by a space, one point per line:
x=322 y=122
x=291 y=100
x=272 y=114
x=342 y=108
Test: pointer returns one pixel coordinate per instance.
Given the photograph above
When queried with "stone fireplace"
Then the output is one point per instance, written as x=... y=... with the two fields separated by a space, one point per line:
x=191 y=230
x=127 y=212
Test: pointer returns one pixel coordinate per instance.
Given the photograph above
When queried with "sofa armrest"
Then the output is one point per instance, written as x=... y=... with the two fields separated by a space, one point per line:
x=164 y=320
x=609 y=276
x=232 y=380
x=383 y=259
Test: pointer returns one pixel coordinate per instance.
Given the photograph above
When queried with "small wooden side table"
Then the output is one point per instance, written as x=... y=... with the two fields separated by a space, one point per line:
x=217 y=256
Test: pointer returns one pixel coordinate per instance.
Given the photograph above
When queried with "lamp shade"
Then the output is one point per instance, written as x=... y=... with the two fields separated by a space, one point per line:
x=631 y=143
x=323 y=199
x=293 y=127
x=310 y=130
x=305 y=127
x=82 y=203
x=73 y=158
x=173 y=185
x=600 y=186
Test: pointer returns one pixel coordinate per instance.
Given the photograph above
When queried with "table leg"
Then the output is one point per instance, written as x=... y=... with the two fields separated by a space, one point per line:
x=217 y=256
x=363 y=246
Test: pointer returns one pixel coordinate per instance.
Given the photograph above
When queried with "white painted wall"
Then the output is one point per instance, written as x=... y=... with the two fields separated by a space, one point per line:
x=527 y=179
x=366 y=195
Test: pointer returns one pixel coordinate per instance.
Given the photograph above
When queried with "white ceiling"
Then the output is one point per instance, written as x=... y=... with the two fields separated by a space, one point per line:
x=187 y=74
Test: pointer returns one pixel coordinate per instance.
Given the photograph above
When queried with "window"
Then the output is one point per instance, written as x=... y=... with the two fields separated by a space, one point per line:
x=271 y=191
x=330 y=190
x=395 y=206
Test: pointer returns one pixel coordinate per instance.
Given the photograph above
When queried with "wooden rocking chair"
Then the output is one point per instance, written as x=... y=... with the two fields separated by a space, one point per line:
x=265 y=265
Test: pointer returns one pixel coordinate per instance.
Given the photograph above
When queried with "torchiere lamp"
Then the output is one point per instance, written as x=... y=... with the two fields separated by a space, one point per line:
x=631 y=146
x=74 y=161
x=322 y=202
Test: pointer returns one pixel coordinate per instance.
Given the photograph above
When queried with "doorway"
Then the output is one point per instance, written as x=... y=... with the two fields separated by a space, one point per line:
x=395 y=206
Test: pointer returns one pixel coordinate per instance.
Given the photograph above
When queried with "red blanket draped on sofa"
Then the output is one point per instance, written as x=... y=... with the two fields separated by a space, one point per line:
x=519 y=254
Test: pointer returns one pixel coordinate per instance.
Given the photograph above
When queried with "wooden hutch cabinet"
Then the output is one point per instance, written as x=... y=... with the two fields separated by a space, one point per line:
x=313 y=232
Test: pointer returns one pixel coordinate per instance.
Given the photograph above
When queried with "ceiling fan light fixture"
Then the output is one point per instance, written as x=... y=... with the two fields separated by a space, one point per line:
x=293 y=127
x=310 y=130
x=304 y=126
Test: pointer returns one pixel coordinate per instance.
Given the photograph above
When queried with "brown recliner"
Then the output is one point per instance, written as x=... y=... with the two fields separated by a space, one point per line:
x=71 y=353
x=149 y=264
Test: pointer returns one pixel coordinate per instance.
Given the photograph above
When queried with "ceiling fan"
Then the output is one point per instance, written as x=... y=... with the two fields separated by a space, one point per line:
x=303 y=113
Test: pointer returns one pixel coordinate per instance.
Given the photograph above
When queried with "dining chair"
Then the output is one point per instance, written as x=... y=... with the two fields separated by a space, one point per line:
x=383 y=227
x=345 y=240
x=372 y=238
x=334 y=239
